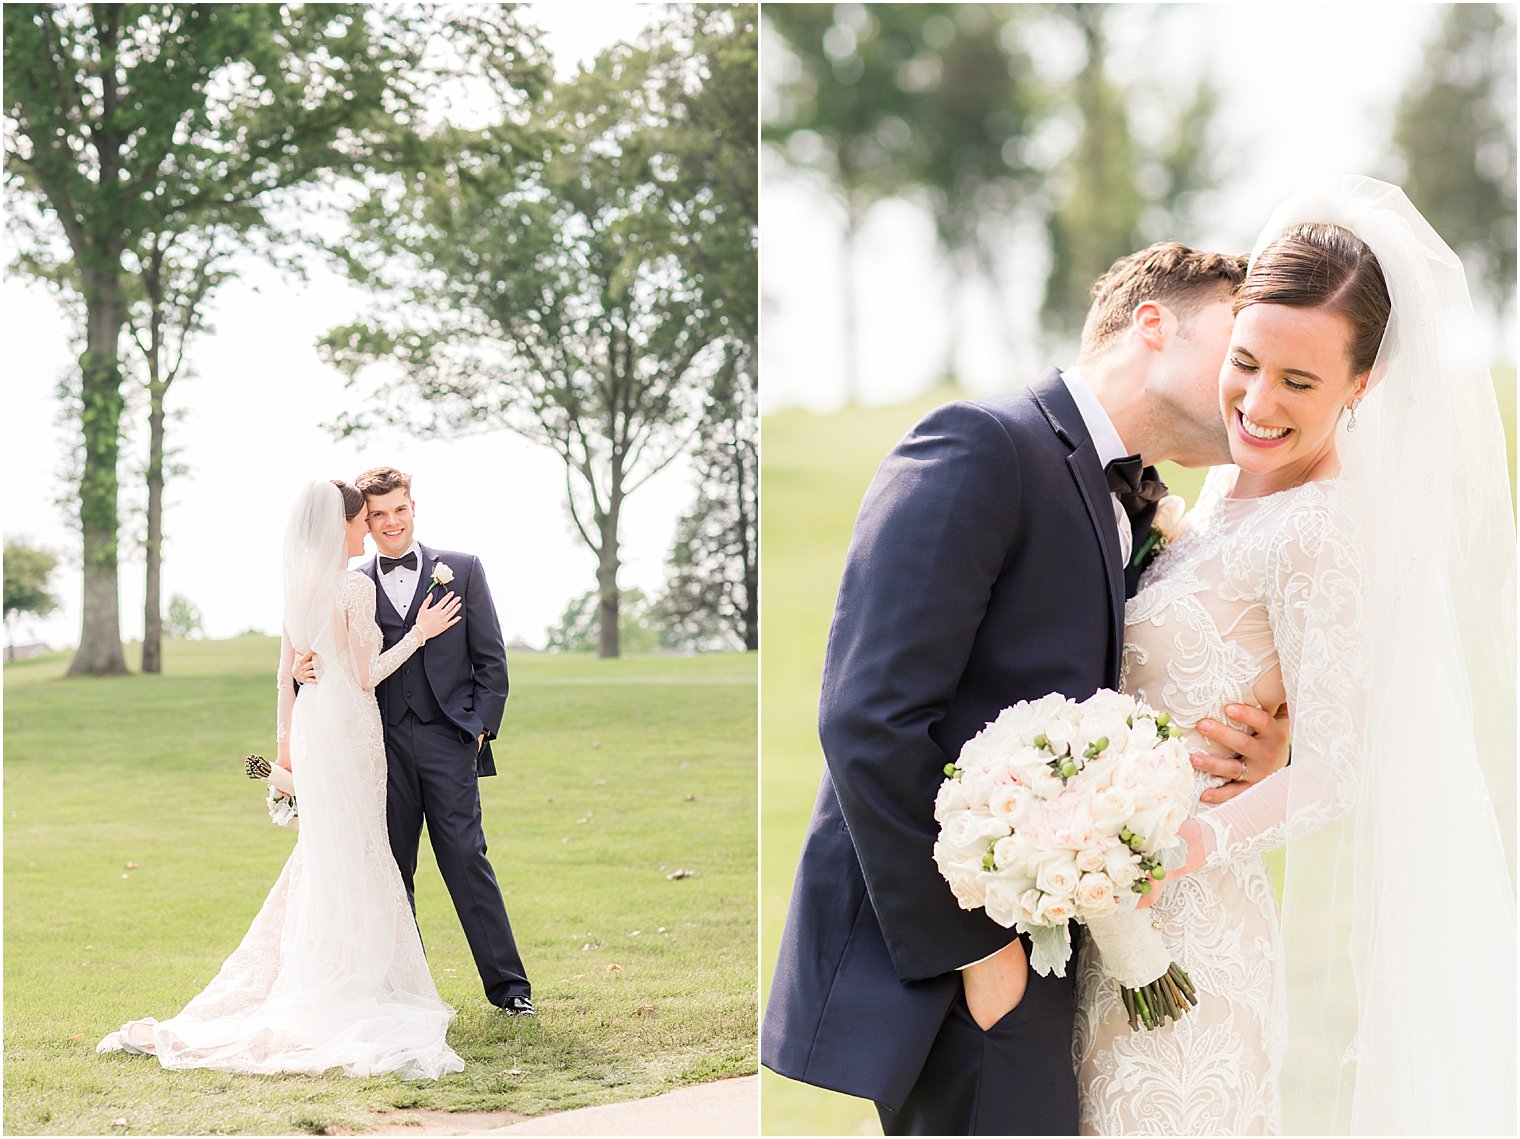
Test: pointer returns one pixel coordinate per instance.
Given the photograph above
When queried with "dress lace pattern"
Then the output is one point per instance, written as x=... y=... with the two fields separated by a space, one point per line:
x=1257 y=602
x=331 y=973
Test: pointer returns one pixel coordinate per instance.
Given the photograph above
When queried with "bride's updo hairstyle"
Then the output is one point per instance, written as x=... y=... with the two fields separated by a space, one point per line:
x=353 y=501
x=1316 y=265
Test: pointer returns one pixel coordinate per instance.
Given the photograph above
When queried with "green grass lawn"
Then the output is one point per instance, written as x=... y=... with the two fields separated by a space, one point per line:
x=614 y=775
x=816 y=469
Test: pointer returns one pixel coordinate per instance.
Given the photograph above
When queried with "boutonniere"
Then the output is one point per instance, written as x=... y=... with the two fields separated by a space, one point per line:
x=1164 y=526
x=442 y=575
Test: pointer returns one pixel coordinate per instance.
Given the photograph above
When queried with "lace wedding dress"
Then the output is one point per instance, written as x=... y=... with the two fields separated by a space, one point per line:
x=331 y=974
x=1258 y=600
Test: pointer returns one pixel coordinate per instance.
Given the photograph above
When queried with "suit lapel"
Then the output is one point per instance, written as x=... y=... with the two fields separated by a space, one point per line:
x=1059 y=408
x=425 y=563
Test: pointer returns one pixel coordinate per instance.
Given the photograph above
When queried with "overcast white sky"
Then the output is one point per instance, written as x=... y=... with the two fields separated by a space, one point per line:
x=252 y=436
x=1307 y=93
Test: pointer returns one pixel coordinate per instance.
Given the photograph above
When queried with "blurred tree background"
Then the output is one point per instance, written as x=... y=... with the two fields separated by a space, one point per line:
x=1039 y=142
x=944 y=181
x=571 y=257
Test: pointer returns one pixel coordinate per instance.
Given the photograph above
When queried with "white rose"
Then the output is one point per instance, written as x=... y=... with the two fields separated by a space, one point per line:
x=1121 y=870
x=1058 y=876
x=1002 y=897
x=1168 y=518
x=1143 y=735
x=961 y=831
x=951 y=798
x=1111 y=809
x=1092 y=859
x=1029 y=905
x=442 y=574
x=1095 y=894
x=1005 y=801
x=961 y=874
x=1055 y=910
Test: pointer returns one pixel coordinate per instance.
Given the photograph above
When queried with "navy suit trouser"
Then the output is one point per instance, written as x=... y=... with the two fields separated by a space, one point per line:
x=1015 y=1078
x=431 y=777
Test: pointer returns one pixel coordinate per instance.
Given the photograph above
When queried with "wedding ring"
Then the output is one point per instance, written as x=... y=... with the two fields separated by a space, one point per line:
x=1241 y=777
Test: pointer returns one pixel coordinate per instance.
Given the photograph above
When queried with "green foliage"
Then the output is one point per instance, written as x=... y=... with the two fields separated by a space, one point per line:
x=128 y=121
x=551 y=273
x=950 y=104
x=712 y=594
x=577 y=631
x=614 y=775
x=27 y=570
x=1455 y=133
x=184 y=618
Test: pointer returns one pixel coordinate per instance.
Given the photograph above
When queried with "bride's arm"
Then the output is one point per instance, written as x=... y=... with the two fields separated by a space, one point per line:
x=1316 y=599
x=285 y=699
x=371 y=666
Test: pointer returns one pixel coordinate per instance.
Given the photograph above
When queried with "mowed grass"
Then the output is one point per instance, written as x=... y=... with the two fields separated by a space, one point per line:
x=816 y=469
x=614 y=776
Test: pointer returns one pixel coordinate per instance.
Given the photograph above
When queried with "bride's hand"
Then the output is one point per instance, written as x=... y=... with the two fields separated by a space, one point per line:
x=1192 y=835
x=434 y=619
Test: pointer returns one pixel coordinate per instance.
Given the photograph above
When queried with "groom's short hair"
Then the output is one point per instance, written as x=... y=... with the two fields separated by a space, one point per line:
x=1170 y=273
x=382 y=480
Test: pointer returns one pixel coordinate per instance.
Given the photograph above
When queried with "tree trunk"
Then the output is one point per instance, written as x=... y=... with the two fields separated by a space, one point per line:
x=750 y=619
x=153 y=621
x=100 y=652
x=607 y=639
x=847 y=331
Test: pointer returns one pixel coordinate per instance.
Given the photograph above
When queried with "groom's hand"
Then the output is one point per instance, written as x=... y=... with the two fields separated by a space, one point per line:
x=1260 y=750
x=305 y=670
x=995 y=985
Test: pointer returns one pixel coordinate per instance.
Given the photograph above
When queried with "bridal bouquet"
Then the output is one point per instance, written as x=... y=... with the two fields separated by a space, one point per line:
x=1062 y=811
x=282 y=800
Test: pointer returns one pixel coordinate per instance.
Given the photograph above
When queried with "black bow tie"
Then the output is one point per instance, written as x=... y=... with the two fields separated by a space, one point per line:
x=1127 y=479
x=409 y=560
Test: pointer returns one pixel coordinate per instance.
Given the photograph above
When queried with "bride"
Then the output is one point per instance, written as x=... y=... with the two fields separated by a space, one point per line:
x=1357 y=563
x=331 y=974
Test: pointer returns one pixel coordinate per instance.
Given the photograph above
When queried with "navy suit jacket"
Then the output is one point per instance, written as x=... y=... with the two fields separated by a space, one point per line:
x=465 y=667
x=984 y=569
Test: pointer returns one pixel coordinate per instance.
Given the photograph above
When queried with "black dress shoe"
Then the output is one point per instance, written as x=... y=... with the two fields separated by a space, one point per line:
x=519 y=1006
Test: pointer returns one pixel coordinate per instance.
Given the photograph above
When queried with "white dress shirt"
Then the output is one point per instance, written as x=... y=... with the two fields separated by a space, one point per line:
x=400 y=584
x=1106 y=442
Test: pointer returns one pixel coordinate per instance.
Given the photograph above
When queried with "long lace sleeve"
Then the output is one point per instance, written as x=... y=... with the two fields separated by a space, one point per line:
x=285 y=691
x=371 y=666
x=1316 y=601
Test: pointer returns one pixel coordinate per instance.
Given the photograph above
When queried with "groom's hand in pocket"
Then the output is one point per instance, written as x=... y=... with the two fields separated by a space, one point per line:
x=995 y=985
x=1261 y=749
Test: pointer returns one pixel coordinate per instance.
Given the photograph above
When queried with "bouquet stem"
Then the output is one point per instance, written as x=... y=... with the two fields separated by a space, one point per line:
x=1165 y=999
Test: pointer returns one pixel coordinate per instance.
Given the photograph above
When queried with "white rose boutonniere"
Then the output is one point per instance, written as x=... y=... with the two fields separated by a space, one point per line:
x=442 y=574
x=1164 y=527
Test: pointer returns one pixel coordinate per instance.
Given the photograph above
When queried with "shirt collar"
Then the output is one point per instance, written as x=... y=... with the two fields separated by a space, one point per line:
x=412 y=549
x=1105 y=437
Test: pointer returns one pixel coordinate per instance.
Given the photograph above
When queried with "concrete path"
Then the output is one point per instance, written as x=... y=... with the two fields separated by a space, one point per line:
x=725 y=1107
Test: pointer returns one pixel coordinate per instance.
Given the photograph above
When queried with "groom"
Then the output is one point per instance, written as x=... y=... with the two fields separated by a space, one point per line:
x=989 y=564
x=440 y=710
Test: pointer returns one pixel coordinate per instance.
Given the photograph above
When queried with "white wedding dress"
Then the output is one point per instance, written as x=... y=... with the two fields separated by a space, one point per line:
x=331 y=973
x=1256 y=600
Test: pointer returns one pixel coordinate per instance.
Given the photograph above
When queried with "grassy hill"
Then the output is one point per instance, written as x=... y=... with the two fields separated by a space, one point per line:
x=136 y=854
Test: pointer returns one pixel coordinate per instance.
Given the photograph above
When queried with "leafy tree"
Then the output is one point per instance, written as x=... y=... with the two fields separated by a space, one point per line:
x=1455 y=133
x=578 y=630
x=712 y=596
x=174 y=277
x=184 y=619
x=128 y=120
x=841 y=112
x=535 y=282
x=27 y=570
